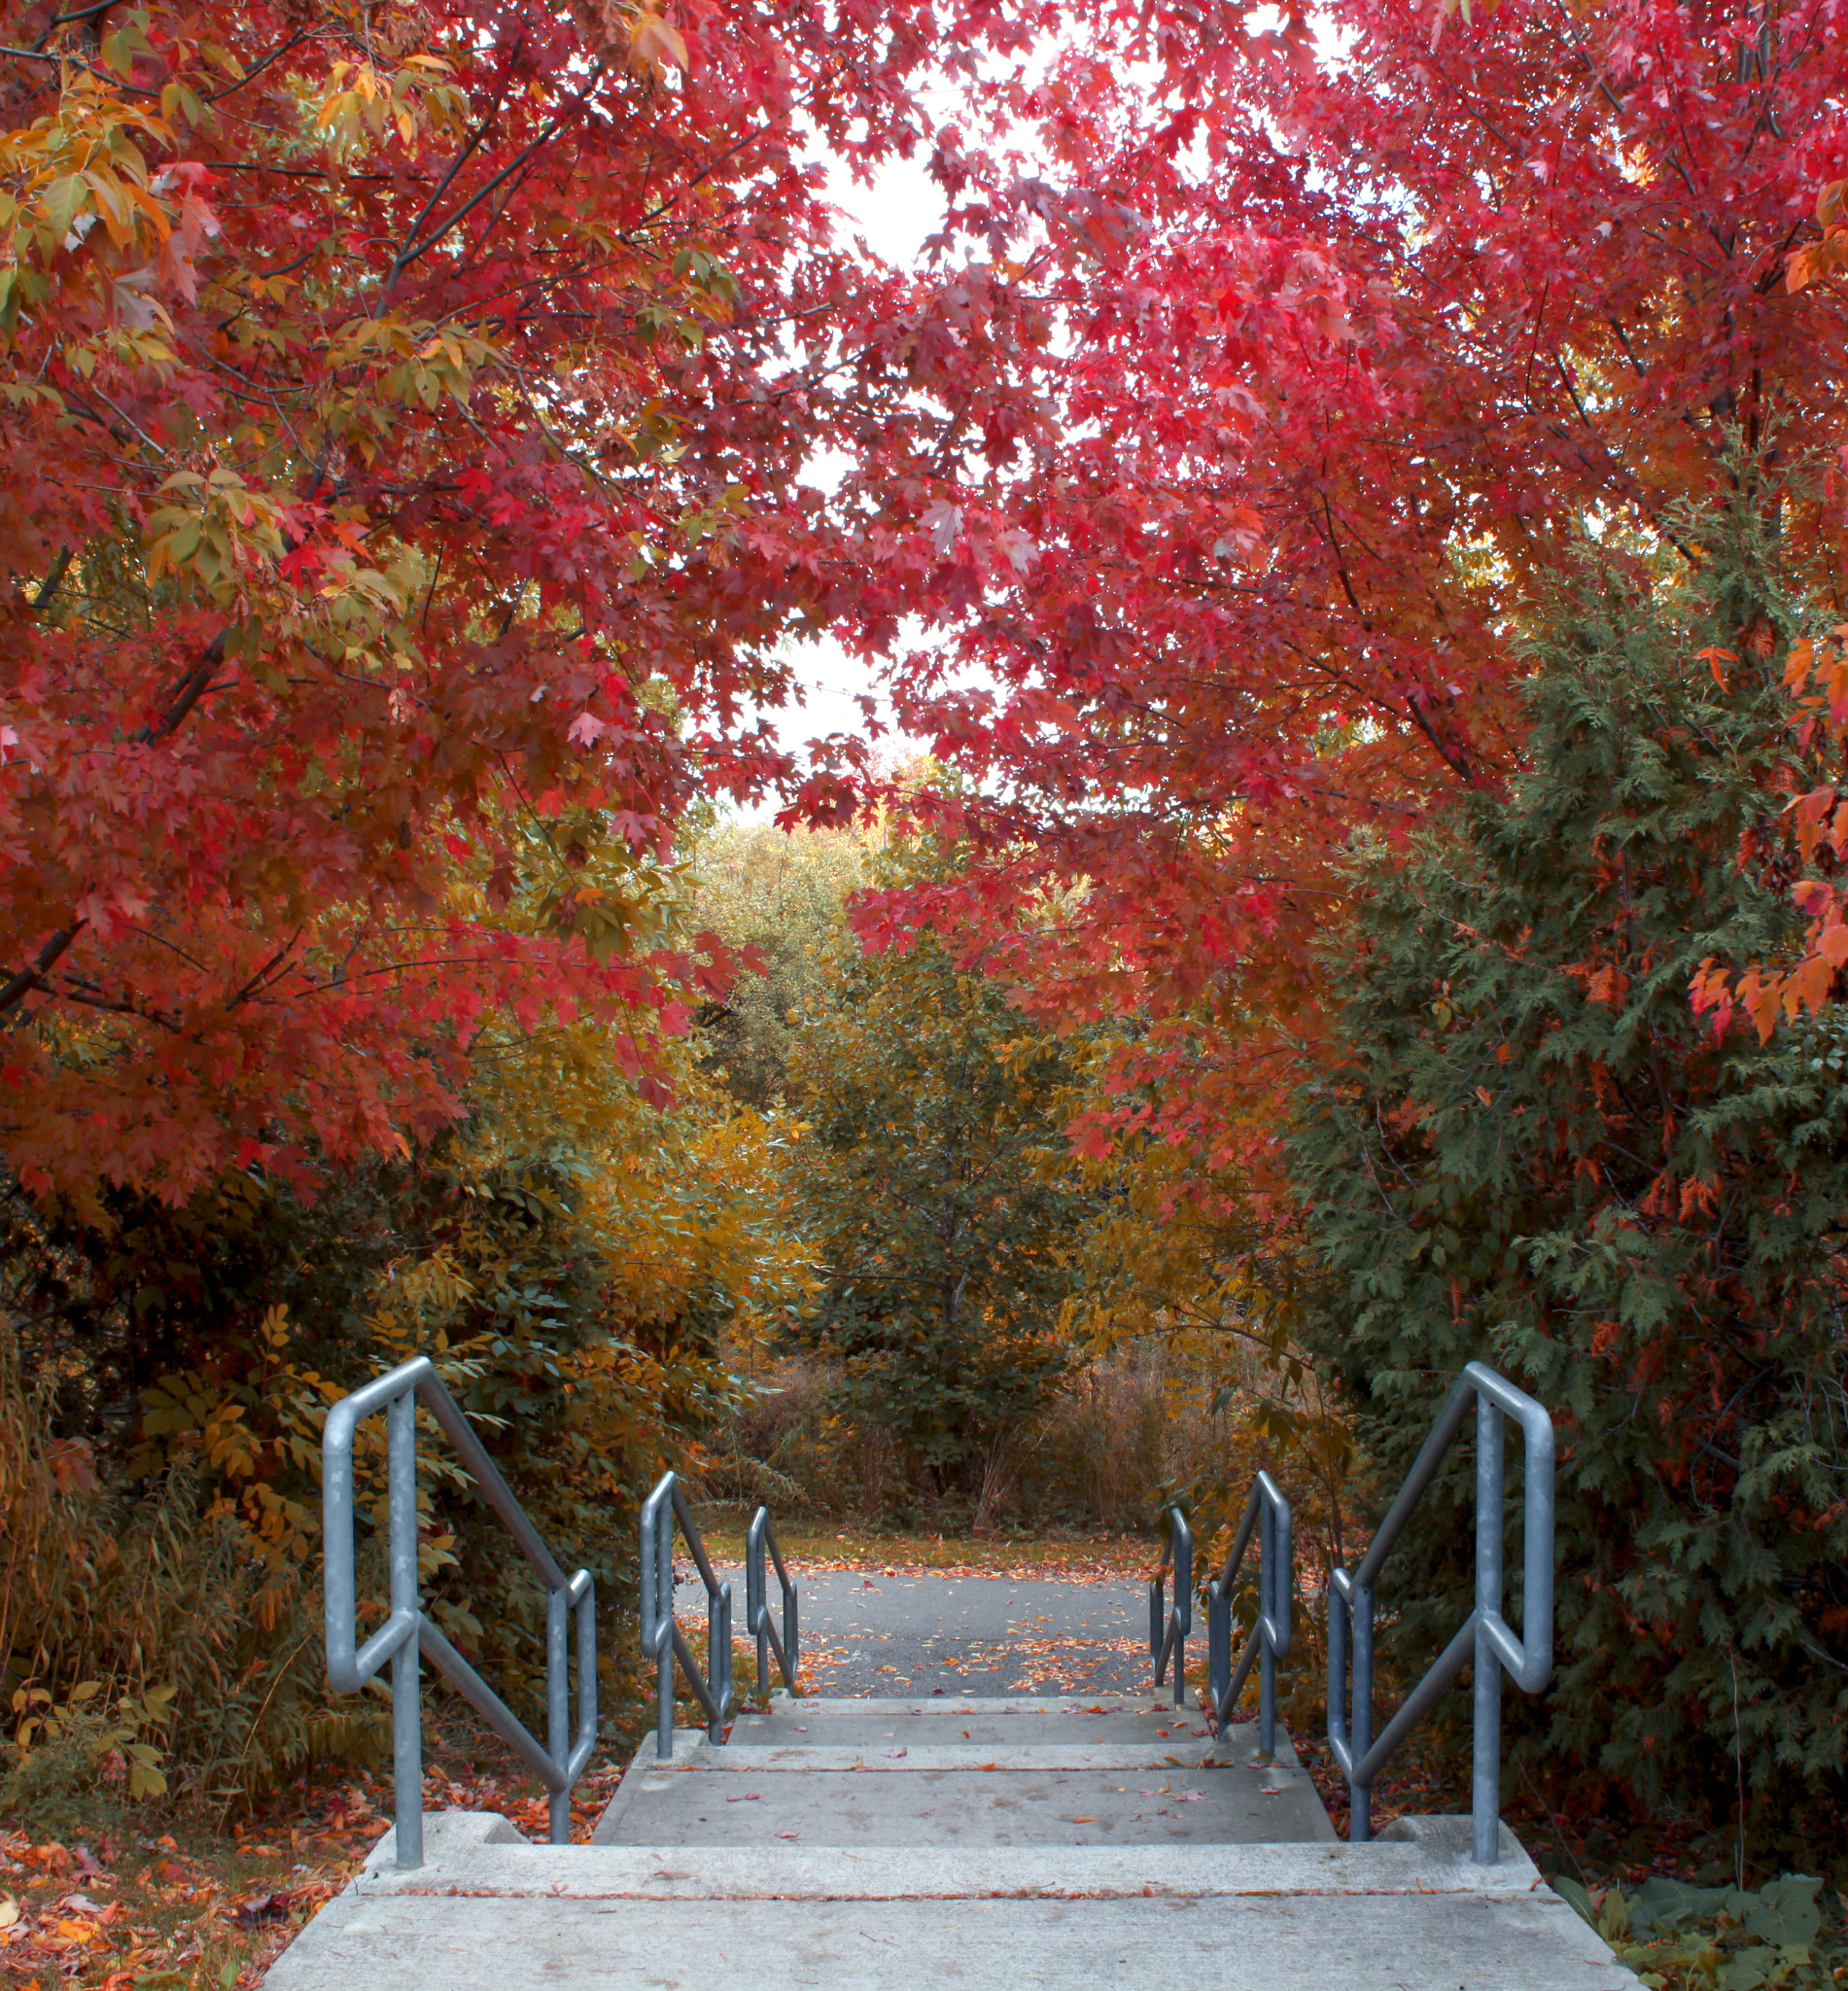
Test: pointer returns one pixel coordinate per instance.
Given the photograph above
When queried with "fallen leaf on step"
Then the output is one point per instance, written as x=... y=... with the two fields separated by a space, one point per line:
x=788 y=1835
x=1084 y=1821
x=1192 y=1796
x=897 y=1752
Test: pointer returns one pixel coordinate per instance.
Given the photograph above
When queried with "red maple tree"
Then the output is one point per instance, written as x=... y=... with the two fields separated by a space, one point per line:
x=1299 y=358
x=408 y=417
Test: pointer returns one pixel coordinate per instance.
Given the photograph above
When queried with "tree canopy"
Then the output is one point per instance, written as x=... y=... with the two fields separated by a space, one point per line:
x=1353 y=505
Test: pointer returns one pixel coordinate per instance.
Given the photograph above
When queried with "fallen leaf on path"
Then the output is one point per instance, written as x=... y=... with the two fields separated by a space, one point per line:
x=264 y=1909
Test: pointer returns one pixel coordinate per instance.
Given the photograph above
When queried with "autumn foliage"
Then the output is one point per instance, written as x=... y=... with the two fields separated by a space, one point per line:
x=1312 y=350
x=408 y=415
x=431 y=430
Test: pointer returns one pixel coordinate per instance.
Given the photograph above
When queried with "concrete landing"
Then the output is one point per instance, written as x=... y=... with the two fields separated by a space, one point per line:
x=1235 y=1943
x=868 y=1632
x=1409 y=1913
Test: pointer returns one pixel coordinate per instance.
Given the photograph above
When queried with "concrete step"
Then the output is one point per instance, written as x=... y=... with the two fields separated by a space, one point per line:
x=1408 y=1911
x=932 y=1808
x=1171 y=1786
x=978 y=1723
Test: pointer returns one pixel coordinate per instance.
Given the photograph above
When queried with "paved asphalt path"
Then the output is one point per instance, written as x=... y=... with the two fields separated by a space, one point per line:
x=869 y=1633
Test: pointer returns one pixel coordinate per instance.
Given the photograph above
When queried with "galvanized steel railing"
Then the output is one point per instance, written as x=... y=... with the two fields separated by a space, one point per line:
x=1169 y=1628
x=661 y=1636
x=1268 y=1513
x=1485 y=1637
x=758 y=1619
x=406 y=1632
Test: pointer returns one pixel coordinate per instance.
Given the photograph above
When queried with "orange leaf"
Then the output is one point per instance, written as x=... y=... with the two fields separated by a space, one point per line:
x=656 y=45
x=1809 y=986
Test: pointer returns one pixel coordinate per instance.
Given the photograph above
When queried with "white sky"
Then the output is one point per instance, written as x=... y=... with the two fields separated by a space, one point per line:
x=894 y=215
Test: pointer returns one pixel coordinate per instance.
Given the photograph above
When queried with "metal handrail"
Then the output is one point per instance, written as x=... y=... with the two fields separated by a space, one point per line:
x=1485 y=1636
x=1268 y=1513
x=661 y=1636
x=406 y=1632
x=758 y=1619
x=1169 y=1628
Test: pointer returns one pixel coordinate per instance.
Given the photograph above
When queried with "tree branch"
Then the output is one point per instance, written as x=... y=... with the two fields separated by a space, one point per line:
x=17 y=987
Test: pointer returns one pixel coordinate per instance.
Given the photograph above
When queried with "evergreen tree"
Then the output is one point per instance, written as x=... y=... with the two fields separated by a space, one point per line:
x=933 y=1170
x=1532 y=1151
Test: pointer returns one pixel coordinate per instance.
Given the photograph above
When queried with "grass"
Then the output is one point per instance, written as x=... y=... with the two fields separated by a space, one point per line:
x=182 y=1901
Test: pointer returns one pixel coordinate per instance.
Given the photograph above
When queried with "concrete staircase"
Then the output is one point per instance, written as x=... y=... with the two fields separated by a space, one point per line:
x=980 y=1842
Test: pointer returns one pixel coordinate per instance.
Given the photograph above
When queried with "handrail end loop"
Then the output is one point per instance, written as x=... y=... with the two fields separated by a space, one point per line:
x=1485 y=1641
x=407 y=1636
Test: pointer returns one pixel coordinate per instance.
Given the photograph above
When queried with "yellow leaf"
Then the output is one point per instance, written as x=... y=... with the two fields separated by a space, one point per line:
x=655 y=44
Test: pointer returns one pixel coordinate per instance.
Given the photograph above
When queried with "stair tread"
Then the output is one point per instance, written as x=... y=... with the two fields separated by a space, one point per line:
x=1057 y=1726
x=1025 y=1805
x=1270 y=1942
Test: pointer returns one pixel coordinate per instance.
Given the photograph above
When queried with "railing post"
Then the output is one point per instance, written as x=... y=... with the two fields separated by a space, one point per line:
x=407 y=1638
x=1486 y=1794
x=1360 y=1718
x=558 y=1708
x=756 y=1582
x=1218 y=1642
x=407 y=1723
x=1183 y=1618
x=662 y=1560
x=1273 y=1554
x=718 y=1658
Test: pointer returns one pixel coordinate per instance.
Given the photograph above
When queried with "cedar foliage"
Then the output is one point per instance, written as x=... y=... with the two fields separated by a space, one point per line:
x=1528 y=1149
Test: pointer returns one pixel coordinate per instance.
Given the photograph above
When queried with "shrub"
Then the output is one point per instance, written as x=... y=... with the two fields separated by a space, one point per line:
x=1527 y=1148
